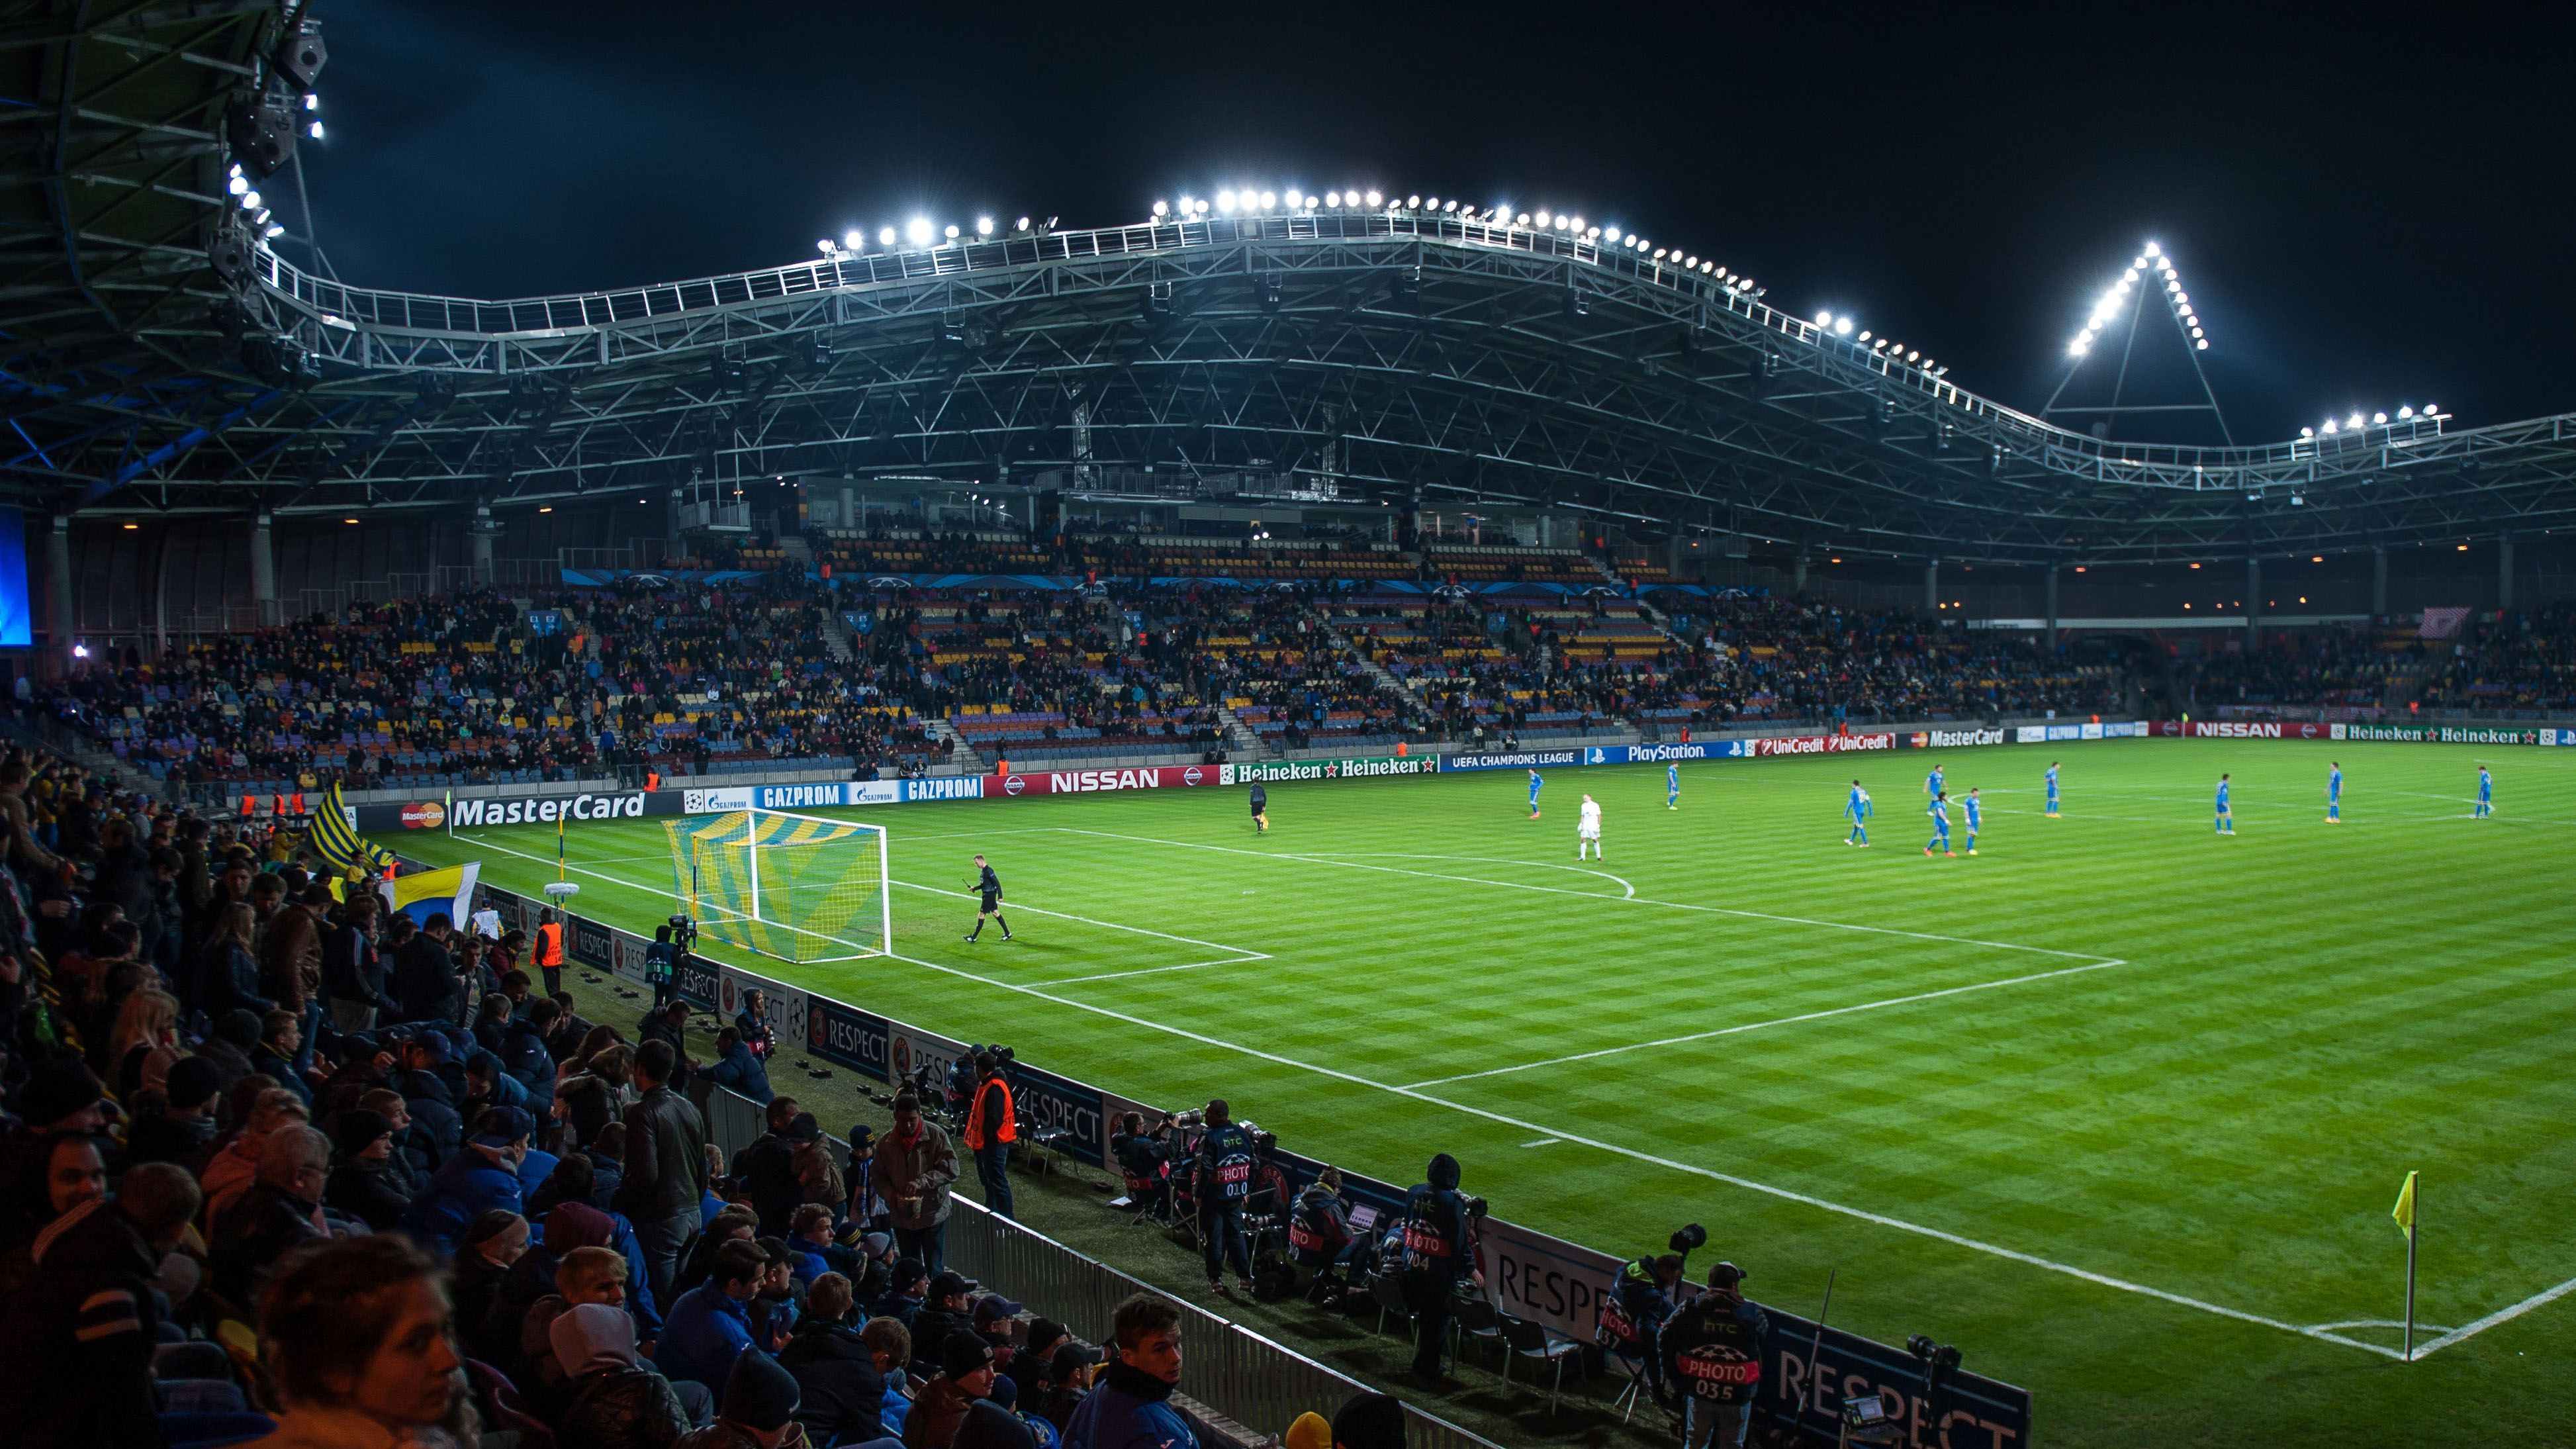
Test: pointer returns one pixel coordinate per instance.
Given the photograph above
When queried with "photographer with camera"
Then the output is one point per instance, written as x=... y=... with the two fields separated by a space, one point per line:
x=661 y=959
x=1644 y=1294
x=1320 y=1236
x=1225 y=1159
x=1440 y=1251
x=1144 y=1162
x=1711 y=1349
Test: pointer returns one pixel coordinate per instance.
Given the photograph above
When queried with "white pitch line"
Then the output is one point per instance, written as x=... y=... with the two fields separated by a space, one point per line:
x=1159 y=970
x=1627 y=891
x=1748 y=1184
x=1599 y=896
x=1086 y=920
x=1775 y=1021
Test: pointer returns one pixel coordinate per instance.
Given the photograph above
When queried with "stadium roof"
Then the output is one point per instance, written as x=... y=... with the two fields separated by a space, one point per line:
x=1363 y=353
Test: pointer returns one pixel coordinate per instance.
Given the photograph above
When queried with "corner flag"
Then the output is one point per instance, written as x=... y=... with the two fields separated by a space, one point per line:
x=2404 y=1212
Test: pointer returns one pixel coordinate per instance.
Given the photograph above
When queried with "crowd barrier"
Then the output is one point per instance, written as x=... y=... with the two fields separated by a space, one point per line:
x=1529 y=1274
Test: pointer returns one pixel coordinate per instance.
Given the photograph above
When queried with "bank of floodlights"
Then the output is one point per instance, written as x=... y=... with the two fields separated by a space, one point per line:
x=2150 y=268
x=2407 y=415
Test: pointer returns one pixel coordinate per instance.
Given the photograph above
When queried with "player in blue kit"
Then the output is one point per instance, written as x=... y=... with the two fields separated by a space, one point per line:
x=2334 y=792
x=1535 y=783
x=1970 y=805
x=2486 y=794
x=1672 y=787
x=1940 y=825
x=1932 y=783
x=1857 y=811
x=2052 y=789
x=2226 y=817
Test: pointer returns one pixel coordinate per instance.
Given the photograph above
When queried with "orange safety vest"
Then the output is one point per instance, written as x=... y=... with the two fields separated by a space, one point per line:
x=550 y=944
x=1008 y=1133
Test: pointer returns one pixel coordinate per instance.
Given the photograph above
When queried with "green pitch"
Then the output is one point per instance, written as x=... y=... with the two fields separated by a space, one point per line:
x=2118 y=1106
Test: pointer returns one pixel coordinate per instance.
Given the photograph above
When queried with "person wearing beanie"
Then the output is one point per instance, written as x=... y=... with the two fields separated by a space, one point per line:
x=1311 y=1431
x=1440 y=1248
x=1369 y=1421
x=1713 y=1352
x=498 y=1338
x=1028 y=1366
x=362 y=1186
x=62 y=1096
x=965 y=1376
x=1068 y=1379
x=182 y=1127
x=759 y=1408
x=944 y=1310
x=1130 y=1408
x=614 y=1401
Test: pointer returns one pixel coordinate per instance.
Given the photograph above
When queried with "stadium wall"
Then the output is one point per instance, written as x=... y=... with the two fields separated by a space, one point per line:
x=1808 y=1368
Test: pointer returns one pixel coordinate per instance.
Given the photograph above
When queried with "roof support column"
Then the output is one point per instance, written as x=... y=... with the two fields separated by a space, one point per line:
x=59 y=623
x=1931 y=586
x=2253 y=602
x=263 y=569
x=2378 y=580
x=2051 y=578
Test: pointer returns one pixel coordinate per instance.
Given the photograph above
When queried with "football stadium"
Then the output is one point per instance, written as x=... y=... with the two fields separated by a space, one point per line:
x=998 y=834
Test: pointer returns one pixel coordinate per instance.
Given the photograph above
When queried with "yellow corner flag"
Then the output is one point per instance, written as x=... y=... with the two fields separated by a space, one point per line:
x=2404 y=1212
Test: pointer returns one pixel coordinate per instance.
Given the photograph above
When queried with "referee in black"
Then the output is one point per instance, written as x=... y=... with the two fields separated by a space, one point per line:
x=1260 y=809
x=989 y=886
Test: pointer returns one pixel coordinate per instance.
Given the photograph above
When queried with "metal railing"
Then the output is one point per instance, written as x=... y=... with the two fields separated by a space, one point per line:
x=1252 y=1380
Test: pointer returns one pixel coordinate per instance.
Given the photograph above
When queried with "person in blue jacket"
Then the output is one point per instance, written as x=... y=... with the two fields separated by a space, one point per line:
x=1130 y=1407
x=709 y=1326
x=737 y=1070
x=483 y=1176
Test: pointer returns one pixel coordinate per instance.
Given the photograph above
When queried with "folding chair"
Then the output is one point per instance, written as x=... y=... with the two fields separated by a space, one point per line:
x=1534 y=1343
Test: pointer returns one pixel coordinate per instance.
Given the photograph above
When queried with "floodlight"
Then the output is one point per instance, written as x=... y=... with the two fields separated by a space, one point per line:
x=1269 y=199
x=314 y=130
x=274 y=232
x=2406 y=412
x=2307 y=432
x=250 y=201
x=983 y=226
x=2195 y=333
x=2182 y=299
x=1824 y=319
x=1578 y=224
x=1372 y=198
x=1332 y=198
x=1310 y=203
x=824 y=246
x=1413 y=203
x=918 y=231
x=2432 y=411
x=1162 y=208
x=1542 y=218
x=238 y=184
x=2380 y=418
x=2077 y=348
x=1225 y=202
x=1690 y=262
x=1914 y=356
x=885 y=236
x=1842 y=326
x=2151 y=249
x=2354 y=421
x=1592 y=233
x=855 y=240
x=2330 y=427
x=952 y=231
x=1659 y=254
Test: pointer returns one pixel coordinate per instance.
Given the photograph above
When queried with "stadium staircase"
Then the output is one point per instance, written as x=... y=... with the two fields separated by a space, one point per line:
x=1385 y=678
x=798 y=551
x=961 y=755
x=1239 y=737
x=836 y=637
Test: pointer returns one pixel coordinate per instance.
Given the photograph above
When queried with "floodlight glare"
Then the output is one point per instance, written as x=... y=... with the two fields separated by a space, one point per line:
x=885 y=236
x=1269 y=199
x=918 y=231
x=1225 y=202
x=2381 y=418
x=2077 y=348
x=2354 y=421
x=1578 y=224
x=2406 y=412
x=952 y=231
x=1824 y=319
x=1332 y=198
x=2330 y=426
x=1372 y=198
x=2151 y=249
x=1310 y=203
x=1842 y=326
x=2307 y=432
x=238 y=184
x=1162 y=208
x=1542 y=218
x=855 y=240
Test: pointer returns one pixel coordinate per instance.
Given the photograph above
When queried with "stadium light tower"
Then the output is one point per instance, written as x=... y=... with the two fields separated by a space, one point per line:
x=2123 y=305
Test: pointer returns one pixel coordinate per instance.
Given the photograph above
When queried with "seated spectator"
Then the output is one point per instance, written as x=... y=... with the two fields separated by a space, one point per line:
x=965 y=1376
x=180 y=1124
x=354 y=1341
x=943 y=1311
x=839 y=1376
x=482 y=1177
x=736 y=1069
x=1068 y=1379
x=906 y=1283
x=70 y=1172
x=587 y=1274
x=236 y=1032
x=498 y=1336
x=280 y=1211
x=363 y=1182
x=810 y=1249
x=76 y=1345
x=988 y=1425
x=759 y=1408
x=423 y=1063
x=495 y=1240
x=281 y=1036
x=612 y=1399
x=732 y=1225
x=1131 y=1402
x=710 y=1325
x=145 y=1044
x=233 y=1169
x=572 y=1180
x=1035 y=1359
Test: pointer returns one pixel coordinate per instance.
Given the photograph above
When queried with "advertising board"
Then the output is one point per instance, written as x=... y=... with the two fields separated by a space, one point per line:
x=1274 y=772
x=1086 y=782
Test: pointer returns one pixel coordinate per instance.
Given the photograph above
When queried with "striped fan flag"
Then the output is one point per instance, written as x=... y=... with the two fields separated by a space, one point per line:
x=2443 y=623
x=340 y=844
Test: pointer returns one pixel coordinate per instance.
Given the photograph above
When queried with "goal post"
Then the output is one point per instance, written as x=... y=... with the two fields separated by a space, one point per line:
x=796 y=888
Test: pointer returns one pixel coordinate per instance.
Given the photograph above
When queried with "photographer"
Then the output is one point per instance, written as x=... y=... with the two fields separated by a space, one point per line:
x=1320 y=1236
x=660 y=962
x=1225 y=1160
x=1440 y=1250
x=1712 y=1352
x=753 y=1022
x=1644 y=1294
x=1143 y=1162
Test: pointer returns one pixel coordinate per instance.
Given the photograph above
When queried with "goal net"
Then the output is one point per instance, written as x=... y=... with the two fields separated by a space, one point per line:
x=792 y=887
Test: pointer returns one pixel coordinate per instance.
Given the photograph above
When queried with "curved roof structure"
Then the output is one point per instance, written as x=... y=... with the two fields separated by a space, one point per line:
x=1364 y=354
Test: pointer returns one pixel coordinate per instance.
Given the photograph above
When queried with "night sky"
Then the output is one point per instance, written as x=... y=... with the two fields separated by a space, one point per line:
x=2367 y=209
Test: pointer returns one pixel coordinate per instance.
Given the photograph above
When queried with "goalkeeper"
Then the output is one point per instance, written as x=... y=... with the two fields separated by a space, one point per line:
x=989 y=887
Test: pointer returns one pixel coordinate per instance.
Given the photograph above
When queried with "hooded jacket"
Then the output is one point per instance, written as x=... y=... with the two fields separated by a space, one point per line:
x=1129 y=1409
x=472 y=1182
x=842 y=1391
x=1438 y=1240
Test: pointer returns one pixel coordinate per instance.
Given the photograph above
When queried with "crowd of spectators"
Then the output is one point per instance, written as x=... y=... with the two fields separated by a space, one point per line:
x=2348 y=668
x=280 y=1165
x=2523 y=662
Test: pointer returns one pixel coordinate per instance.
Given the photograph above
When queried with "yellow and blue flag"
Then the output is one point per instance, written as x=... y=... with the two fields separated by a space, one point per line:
x=340 y=845
x=426 y=893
